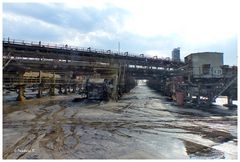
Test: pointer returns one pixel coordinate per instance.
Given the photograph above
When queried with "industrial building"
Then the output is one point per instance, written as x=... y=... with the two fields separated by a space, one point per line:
x=203 y=78
x=205 y=64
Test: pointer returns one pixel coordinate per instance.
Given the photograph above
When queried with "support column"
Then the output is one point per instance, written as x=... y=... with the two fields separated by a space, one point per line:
x=210 y=98
x=60 y=89
x=121 y=85
x=230 y=101
x=69 y=89
x=65 y=89
x=21 y=88
x=52 y=86
x=114 y=95
x=66 y=84
x=198 y=96
x=40 y=85
x=74 y=88
x=52 y=90
x=40 y=90
x=21 y=96
x=79 y=88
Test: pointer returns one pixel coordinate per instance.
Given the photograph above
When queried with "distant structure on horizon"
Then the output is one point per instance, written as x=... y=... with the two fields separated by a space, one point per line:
x=176 y=54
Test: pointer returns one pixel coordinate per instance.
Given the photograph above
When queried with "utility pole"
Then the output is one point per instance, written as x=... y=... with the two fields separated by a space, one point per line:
x=118 y=47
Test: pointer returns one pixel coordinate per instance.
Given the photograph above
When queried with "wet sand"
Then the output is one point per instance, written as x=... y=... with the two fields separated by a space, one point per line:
x=142 y=125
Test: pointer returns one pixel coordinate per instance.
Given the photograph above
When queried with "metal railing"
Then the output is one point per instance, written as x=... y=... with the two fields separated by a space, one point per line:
x=35 y=80
x=80 y=49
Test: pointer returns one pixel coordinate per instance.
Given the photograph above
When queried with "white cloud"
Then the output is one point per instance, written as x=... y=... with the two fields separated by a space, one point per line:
x=153 y=27
x=78 y=4
x=70 y=36
x=76 y=38
x=196 y=22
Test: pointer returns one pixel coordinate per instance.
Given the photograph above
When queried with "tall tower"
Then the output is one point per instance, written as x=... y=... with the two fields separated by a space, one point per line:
x=176 y=54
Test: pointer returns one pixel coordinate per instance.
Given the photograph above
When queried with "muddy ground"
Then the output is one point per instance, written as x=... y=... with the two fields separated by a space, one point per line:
x=142 y=125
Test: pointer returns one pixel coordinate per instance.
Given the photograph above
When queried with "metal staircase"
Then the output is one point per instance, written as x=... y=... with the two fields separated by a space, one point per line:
x=225 y=87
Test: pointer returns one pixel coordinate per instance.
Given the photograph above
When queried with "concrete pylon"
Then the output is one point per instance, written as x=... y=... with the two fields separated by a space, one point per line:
x=21 y=88
x=65 y=89
x=121 y=84
x=230 y=101
x=114 y=94
x=21 y=96
x=40 y=86
x=40 y=90
x=66 y=75
x=52 y=90
x=60 y=89
x=52 y=86
x=74 y=88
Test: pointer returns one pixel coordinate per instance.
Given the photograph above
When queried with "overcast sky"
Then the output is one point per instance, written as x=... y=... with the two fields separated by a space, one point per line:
x=152 y=27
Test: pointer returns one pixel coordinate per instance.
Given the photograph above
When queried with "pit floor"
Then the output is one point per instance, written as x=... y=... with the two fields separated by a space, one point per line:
x=142 y=125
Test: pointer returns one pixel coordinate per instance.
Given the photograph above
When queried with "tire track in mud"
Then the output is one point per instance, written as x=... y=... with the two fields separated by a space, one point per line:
x=13 y=149
x=53 y=139
x=36 y=130
x=61 y=131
